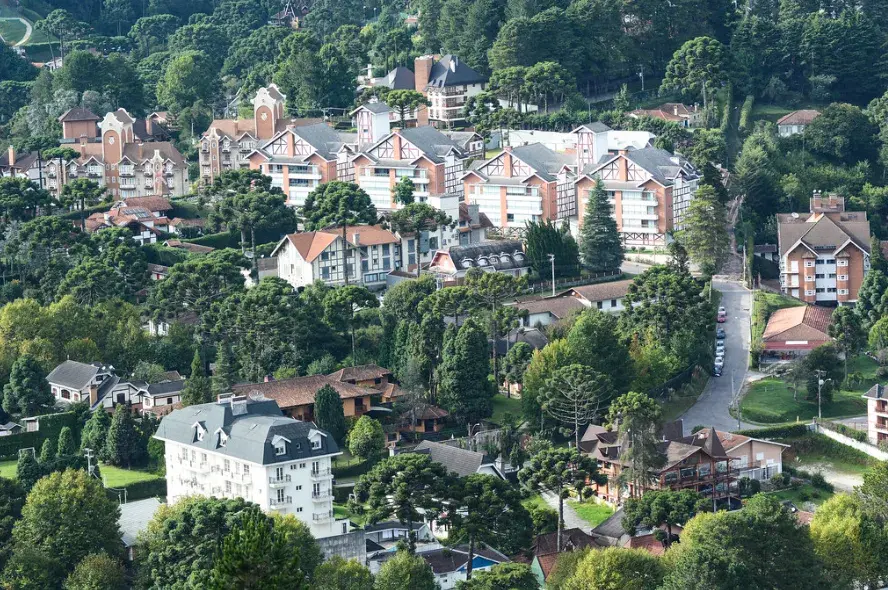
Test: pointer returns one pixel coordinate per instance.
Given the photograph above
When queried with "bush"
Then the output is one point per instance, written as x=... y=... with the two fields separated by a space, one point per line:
x=50 y=427
x=858 y=435
x=140 y=490
x=818 y=481
x=804 y=496
x=746 y=113
x=777 y=480
x=790 y=431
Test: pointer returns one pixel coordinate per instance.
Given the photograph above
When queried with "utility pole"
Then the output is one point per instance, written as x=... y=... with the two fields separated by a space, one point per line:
x=820 y=383
x=89 y=465
x=735 y=399
x=552 y=261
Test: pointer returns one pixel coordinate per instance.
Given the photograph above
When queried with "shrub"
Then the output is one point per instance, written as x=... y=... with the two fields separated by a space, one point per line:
x=818 y=481
x=777 y=480
x=804 y=496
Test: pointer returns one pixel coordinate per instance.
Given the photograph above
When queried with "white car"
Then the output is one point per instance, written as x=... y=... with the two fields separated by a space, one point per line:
x=720 y=347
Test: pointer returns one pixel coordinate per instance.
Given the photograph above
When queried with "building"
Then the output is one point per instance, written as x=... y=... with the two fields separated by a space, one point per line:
x=795 y=122
x=371 y=375
x=698 y=463
x=796 y=331
x=145 y=217
x=463 y=462
x=519 y=185
x=754 y=458
x=675 y=112
x=542 y=312
x=323 y=255
x=73 y=381
x=134 y=519
x=611 y=140
x=506 y=256
x=22 y=165
x=611 y=533
x=824 y=254
x=295 y=397
x=385 y=535
x=877 y=414
x=650 y=188
x=608 y=297
x=447 y=563
x=154 y=398
x=246 y=448
x=448 y=83
x=545 y=550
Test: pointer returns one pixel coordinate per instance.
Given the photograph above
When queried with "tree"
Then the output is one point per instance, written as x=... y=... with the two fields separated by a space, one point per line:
x=409 y=486
x=846 y=331
x=366 y=439
x=328 y=412
x=542 y=239
x=697 y=68
x=489 y=511
x=341 y=306
x=68 y=515
x=492 y=289
x=62 y=24
x=405 y=570
x=98 y=571
x=503 y=576
x=12 y=499
x=600 y=242
x=124 y=446
x=636 y=417
x=189 y=77
x=464 y=388
x=300 y=543
x=543 y=364
x=516 y=362
x=574 y=396
x=658 y=508
x=761 y=546
x=95 y=431
x=340 y=204
x=224 y=375
x=151 y=32
x=47 y=453
x=254 y=555
x=82 y=192
x=557 y=470
x=66 y=443
x=197 y=388
x=872 y=298
x=195 y=283
x=414 y=218
x=842 y=133
x=403 y=191
x=340 y=574
x=27 y=392
x=20 y=199
x=595 y=342
x=615 y=568
x=823 y=363
x=547 y=79
x=27 y=470
x=705 y=235
x=406 y=101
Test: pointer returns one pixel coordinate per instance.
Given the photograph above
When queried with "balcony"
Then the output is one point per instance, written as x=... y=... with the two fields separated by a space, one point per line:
x=882 y=407
x=280 y=502
x=321 y=495
x=127 y=171
x=94 y=174
x=51 y=174
x=279 y=481
x=226 y=149
x=323 y=516
x=168 y=172
x=321 y=473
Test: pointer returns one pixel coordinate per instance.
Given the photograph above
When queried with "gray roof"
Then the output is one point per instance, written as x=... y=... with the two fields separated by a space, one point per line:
x=134 y=518
x=472 y=254
x=452 y=71
x=662 y=165
x=250 y=424
x=595 y=127
x=462 y=462
x=391 y=524
x=73 y=374
x=400 y=79
x=321 y=137
x=431 y=142
x=612 y=527
x=877 y=391
x=376 y=107
x=544 y=161
x=166 y=387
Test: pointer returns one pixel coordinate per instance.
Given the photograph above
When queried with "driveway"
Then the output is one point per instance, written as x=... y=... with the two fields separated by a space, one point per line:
x=571 y=519
x=712 y=407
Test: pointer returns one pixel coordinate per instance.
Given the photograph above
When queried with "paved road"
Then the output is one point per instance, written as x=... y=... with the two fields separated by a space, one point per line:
x=712 y=407
x=28 y=31
x=571 y=518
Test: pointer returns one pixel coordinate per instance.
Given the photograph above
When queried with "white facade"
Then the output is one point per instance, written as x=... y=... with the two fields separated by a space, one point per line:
x=448 y=102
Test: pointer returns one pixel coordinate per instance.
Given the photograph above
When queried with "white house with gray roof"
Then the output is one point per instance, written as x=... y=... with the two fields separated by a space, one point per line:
x=73 y=381
x=242 y=447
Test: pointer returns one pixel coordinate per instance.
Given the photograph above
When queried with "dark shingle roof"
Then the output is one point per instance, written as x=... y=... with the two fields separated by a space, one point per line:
x=434 y=144
x=74 y=374
x=321 y=137
x=460 y=461
x=400 y=79
x=375 y=107
x=166 y=388
x=663 y=166
x=877 y=391
x=451 y=71
x=78 y=114
x=473 y=252
x=250 y=432
x=544 y=161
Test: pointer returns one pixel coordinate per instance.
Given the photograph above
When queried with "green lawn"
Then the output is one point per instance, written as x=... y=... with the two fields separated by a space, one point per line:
x=535 y=501
x=811 y=451
x=770 y=401
x=802 y=494
x=591 y=511
x=12 y=30
x=116 y=477
x=7 y=469
x=492 y=153
x=342 y=511
x=503 y=405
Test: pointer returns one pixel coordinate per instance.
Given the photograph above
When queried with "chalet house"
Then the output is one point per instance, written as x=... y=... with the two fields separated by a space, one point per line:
x=676 y=112
x=156 y=398
x=145 y=227
x=425 y=420
x=877 y=414
x=73 y=381
x=158 y=272
x=754 y=458
x=385 y=535
x=698 y=463
x=796 y=331
x=545 y=550
x=462 y=462
x=650 y=189
x=607 y=297
x=519 y=185
x=23 y=165
x=795 y=122
x=296 y=396
x=372 y=376
x=824 y=254
x=542 y=312
x=322 y=255
x=448 y=83
x=10 y=428
x=506 y=256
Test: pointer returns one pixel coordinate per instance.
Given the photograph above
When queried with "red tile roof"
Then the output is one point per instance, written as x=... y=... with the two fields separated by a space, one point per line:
x=301 y=391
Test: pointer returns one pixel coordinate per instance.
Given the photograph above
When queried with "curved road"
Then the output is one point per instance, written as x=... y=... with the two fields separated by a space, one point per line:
x=712 y=407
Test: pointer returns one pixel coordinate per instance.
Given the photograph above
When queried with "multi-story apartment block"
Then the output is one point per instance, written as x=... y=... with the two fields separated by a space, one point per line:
x=520 y=184
x=246 y=448
x=824 y=254
x=877 y=414
x=650 y=188
x=448 y=83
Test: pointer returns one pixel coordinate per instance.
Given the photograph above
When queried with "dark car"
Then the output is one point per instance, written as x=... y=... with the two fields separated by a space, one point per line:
x=720 y=333
x=717 y=371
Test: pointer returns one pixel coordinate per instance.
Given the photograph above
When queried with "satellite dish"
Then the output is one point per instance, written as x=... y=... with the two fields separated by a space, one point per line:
x=795 y=215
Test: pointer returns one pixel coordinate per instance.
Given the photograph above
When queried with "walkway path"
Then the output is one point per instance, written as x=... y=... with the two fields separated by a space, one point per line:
x=28 y=30
x=571 y=518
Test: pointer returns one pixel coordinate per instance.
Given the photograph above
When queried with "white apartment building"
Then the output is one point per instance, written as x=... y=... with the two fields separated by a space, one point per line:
x=246 y=448
x=448 y=83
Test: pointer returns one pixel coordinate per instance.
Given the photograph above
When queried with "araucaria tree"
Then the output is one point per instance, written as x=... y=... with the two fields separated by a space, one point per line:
x=705 y=235
x=338 y=204
x=328 y=412
x=491 y=289
x=662 y=508
x=27 y=392
x=697 y=68
x=600 y=242
x=464 y=388
x=574 y=396
x=636 y=418
x=558 y=470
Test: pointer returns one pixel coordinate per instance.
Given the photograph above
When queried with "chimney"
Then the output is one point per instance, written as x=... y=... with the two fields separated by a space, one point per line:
x=356 y=239
x=816 y=202
x=83 y=141
x=422 y=70
x=675 y=110
x=94 y=395
x=474 y=214
x=11 y=155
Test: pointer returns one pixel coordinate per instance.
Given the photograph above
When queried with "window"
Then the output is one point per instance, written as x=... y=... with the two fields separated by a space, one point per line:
x=298 y=488
x=819 y=276
x=280 y=495
x=227 y=487
x=809 y=292
x=705 y=469
x=842 y=262
x=843 y=291
x=325 y=272
x=279 y=473
x=299 y=509
x=819 y=262
x=433 y=243
x=302 y=466
x=613 y=302
x=316 y=444
x=280 y=448
x=809 y=263
x=203 y=457
x=227 y=465
x=830 y=261
x=759 y=456
x=809 y=279
x=843 y=277
x=246 y=470
x=600 y=304
x=510 y=217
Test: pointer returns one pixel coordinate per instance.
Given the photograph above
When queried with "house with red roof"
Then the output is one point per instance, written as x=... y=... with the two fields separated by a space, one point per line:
x=796 y=331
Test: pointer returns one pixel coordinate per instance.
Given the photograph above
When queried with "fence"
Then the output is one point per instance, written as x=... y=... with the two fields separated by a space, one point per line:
x=593 y=279
x=863 y=447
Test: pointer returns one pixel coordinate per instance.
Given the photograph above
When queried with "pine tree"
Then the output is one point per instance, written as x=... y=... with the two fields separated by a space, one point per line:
x=465 y=389
x=600 y=243
x=95 y=431
x=47 y=452
x=27 y=391
x=28 y=471
x=124 y=445
x=328 y=412
x=197 y=386
x=705 y=235
x=66 y=446
x=224 y=374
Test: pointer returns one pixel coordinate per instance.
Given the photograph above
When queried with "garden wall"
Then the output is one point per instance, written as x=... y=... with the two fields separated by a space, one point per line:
x=863 y=447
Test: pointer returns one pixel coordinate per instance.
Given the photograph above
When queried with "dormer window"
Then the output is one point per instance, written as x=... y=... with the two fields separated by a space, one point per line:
x=316 y=444
x=199 y=431
x=280 y=449
x=200 y=434
x=223 y=438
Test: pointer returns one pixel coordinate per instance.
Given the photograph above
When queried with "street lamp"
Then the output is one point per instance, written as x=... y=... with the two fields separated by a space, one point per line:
x=820 y=384
x=552 y=261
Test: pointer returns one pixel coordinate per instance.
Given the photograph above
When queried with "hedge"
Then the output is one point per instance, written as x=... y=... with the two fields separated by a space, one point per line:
x=787 y=431
x=858 y=435
x=164 y=255
x=232 y=239
x=728 y=108
x=140 y=490
x=353 y=470
x=50 y=427
x=746 y=113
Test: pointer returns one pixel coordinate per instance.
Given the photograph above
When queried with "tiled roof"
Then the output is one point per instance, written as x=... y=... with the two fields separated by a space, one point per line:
x=600 y=291
x=545 y=162
x=301 y=391
x=310 y=244
x=153 y=204
x=802 y=117
x=480 y=255
x=78 y=114
x=369 y=235
x=134 y=518
x=193 y=248
x=805 y=322
x=431 y=142
x=823 y=231
x=400 y=78
x=140 y=152
x=571 y=540
x=360 y=373
x=462 y=462
x=558 y=307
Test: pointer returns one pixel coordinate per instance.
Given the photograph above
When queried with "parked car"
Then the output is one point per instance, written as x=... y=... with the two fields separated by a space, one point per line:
x=717 y=371
x=722 y=317
x=720 y=333
x=719 y=346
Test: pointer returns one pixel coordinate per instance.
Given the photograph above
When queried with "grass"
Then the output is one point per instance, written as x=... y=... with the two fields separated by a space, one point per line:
x=12 y=30
x=535 y=501
x=342 y=511
x=770 y=401
x=503 y=405
x=814 y=450
x=7 y=469
x=591 y=511
x=492 y=153
x=803 y=494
